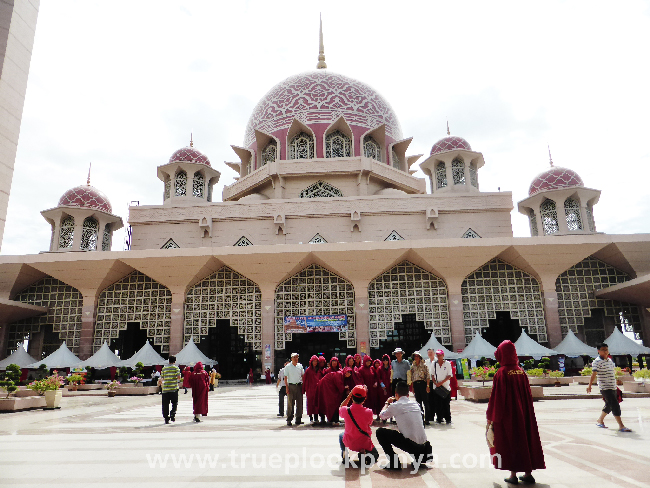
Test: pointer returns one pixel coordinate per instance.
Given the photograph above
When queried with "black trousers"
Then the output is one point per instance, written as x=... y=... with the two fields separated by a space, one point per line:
x=442 y=407
x=422 y=397
x=389 y=438
x=167 y=397
x=431 y=413
x=393 y=383
x=281 y=395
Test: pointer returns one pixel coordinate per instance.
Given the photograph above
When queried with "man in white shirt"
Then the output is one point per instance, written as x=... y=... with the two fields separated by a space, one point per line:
x=282 y=390
x=431 y=413
x=293 y=381
x=410 y=436
x=442 y=387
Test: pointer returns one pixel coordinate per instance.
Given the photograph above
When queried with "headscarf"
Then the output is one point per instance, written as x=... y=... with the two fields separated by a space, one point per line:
x=347 y=361
x=367 y=358
x=357 y=356
x=377 y=363
x=506 y=354
x=198 y=367
x=311 y=361
x=322 y=362
x=386 y=357
x=338 y=364
x=347 y=370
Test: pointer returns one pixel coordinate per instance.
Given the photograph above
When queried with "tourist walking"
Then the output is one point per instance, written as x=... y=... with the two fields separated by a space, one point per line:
x=267 y=375
x=199 y=383
x=187 y=372
x=409 y=436
x=251 y=377
x=442 y=374
x=357 y=435
x=168 y=379
x=400 y=368
x=421 y=385
x=313 y=374
x=293 y=373
x=213 y=378
x=282 y=390
x=512 y=433
x=603 y=368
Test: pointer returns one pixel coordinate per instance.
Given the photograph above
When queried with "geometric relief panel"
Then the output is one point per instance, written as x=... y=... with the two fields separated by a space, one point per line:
x=64 y=315
x=408 y=289
x=576 y=300
x=135 y=298
x=224 y=294
x=314 y=291
x=500 y=287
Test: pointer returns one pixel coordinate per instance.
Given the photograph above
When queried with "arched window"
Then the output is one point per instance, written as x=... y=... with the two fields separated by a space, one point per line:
x=548 y=213
x=338 y=145
x=66 y=233
x=473 y=175
x=318 y=239
x=243 y=241
x=458 y=171
x=371 y=149
x=181 y=184
x=269 y=154
x=301 y=147
x=106 y=239
x=89 y=234
x=320 y=189
x=197 y=185
x=471 y=234
x=168 y=187
x=441 y=175
x=396 y=161
x=533 y=223
x=572 y=212
x=590 y=218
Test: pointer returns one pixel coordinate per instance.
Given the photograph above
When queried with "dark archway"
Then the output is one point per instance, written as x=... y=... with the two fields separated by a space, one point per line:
x=593 y=327
x=327 y=344
x=130 y=341
x=224 y=344
x=502 y=328
x=409 y=334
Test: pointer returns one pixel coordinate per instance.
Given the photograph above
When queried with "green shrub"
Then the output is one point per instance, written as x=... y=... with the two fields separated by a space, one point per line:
x=586 y=371
x=642 y=374
x=11 y=379
x=535 y=372
x=556 y=374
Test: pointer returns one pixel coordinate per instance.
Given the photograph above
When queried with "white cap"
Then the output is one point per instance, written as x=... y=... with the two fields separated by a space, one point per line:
x=294 y=354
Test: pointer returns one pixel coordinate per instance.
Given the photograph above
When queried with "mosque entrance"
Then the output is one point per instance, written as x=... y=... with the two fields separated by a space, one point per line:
x=409 y=334
x=311 y=344
x=44 y=342
x=235 y=356
x=502 y=328
x=593 y=328
x=130 y=341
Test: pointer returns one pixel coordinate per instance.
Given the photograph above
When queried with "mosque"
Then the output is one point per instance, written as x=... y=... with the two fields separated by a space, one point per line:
x=326 y=230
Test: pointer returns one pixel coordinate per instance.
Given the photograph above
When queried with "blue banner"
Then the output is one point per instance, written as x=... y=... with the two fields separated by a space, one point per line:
x=316 y=323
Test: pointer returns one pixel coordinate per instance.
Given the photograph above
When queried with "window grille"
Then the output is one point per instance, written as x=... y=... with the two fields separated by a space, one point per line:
x=458 y=171
x=243 y=241
x=318 y=239
x=394 y=236
x=181 y=184
x=470 y=234
x=533 y=223
x=106 y=239
x=66 y=233
x=396 y=161
x=473 y=175
x=170 y=244
x=89 y=234
x=320 y=189
x=441 y=175
x=301 y=147
x=572 y=213
x=198 y=183
x=269 y=154
x=338 y=145
x=548 y=213
x=371 y=149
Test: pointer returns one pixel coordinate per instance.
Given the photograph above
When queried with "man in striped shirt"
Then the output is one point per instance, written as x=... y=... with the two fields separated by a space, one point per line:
x=169 y=378
x=603 y=367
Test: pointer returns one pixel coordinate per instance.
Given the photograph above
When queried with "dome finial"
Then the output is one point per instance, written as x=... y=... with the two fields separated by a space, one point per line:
x=448 y=133
x=550 y=159
x=191 y=139
x=321 y=48
x=90 y=165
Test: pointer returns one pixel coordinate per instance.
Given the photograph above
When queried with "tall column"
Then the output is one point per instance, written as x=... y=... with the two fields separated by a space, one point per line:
x=456 y=322
x=268 y=327
x=361 y=317
x=551 y=313
x=177 y=316
x=88 y=312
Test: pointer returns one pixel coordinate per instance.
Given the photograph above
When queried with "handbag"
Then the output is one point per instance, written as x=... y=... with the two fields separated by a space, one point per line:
x=619 y=395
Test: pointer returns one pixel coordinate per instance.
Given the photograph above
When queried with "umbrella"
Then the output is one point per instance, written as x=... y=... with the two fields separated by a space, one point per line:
x=528 y=347
x=573 y=347
x=61 y=358
x=104 y=358
x=19 y=357
x=433 y=343
x=147 y=356
x=619 y=345
x=478 y=348
x=191 y=354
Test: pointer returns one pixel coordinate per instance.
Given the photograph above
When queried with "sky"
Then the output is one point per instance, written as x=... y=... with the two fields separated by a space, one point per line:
x=122 y=84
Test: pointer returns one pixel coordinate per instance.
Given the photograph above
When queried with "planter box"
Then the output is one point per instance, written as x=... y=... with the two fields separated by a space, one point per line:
x=91 y=386
x=25 y=393
x=627 y=378
x=581 y=380
x=482 y=394
x=541 y=381
x=636 y=387
x=136 y=390
x=13 y=404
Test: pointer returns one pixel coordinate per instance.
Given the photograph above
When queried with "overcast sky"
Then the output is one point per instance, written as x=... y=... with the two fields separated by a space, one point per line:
x=123 y=83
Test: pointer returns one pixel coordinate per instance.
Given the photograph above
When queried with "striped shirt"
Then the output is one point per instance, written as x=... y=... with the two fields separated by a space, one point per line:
x=606 y=375
x=170 y=374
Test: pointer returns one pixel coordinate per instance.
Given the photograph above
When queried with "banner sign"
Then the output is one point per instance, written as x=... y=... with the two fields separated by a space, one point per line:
x=316 y=323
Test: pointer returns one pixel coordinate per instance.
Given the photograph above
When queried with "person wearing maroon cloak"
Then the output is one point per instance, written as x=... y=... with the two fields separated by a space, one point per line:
x=348 y=382
x=334 y=366
x=199 y=381
x=310 y=387
x=349 y=363
x=369 y=378
x=357 y=361
x=322 y=365
x=512 y=433
x=330 y=392
x=375 y=393
x=267 y=375
x=187 y=373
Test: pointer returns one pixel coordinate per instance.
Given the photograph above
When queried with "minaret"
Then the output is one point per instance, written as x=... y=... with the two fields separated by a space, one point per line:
x=321 y=49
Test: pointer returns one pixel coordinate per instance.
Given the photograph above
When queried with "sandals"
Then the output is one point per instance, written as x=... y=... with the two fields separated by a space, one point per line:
x=602 y=426
x=512 y=481
x=624 y=429
x=529 y=480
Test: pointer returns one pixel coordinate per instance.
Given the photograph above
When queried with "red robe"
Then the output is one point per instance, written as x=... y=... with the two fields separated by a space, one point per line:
x=355 y=375
x=516 y=438
x=199 y=381
x=187 y=373
x=383 y=376
x=310 y=387
x=369 y=378
x=330 y=391
x=375 y=392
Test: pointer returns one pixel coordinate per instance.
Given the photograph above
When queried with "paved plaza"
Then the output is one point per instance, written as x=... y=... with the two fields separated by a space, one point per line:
x=123 y=441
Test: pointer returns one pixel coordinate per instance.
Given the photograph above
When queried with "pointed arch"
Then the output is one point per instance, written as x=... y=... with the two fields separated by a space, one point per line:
x=317 y=239
x=321 y=189
x=180 y=184
x=198 y=184
x=458 y=170
x=338 y=140
x=170 y=244
x=470 y=234
x=89 y=233
x=66 y=233
x=572 y=214
x=548 y=213
x=441 y=175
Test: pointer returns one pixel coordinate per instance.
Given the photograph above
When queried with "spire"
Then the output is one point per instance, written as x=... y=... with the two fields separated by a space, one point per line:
x=448 y=133
x=88 y=180
x=550 y=159
x=191 y=139
x=321 y=48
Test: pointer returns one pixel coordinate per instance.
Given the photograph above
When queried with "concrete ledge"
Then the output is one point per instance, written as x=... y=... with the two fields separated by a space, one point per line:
x=547 y=381
x=635 y=387
x=482 y=394
x=14 y=404
x=136 y=390
x=90 y=386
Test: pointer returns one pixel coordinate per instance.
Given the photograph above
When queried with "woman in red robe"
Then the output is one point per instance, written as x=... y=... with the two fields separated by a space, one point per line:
x=322 y=364
x=375 y=392
x=511 y=424
x=383 y=378
x=369 y=378
x=334 y=366
x=349 y=363
x=310 y=380
x=187 y=373
x=357 y=361
x=330 y=392
x=199 y=381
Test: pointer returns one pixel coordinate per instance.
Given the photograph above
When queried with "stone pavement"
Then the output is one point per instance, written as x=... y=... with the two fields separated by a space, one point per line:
x=123 y=442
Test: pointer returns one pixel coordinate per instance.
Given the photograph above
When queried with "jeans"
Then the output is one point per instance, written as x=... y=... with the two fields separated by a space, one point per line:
x=374 y=454
x=388 y=438
x=294 y=402
x=611 y=402
x=169 y=396
x=281 y=395
x=422 y=397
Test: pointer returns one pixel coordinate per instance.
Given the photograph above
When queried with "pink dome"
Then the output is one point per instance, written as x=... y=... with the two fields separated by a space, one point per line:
x=321 y=97
x=86 y=196
x=189 y=155
x=553 y=179
x=450 y=143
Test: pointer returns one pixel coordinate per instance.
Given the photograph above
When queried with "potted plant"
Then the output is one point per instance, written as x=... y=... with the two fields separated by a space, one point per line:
x=556 y=374
x=74 y=380
x=112 y=388
x=50 y=387
x=136 y=380
x=11 y=379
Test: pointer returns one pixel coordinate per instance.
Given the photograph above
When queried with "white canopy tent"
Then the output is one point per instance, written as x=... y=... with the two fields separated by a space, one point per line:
x=528 y=347
x=573 y=347
x=619 y=345
x=19 y=357
x=478 y=348
x=61 y=358
x=147 y=355
x=104 y=358
x=191 y=354
x=433 y=343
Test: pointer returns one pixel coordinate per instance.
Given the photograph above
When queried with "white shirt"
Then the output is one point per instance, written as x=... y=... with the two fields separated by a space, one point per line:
x=606 y=373
x=440 y=372
x=429 y=364
x=408 y=417
x=293 y=373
